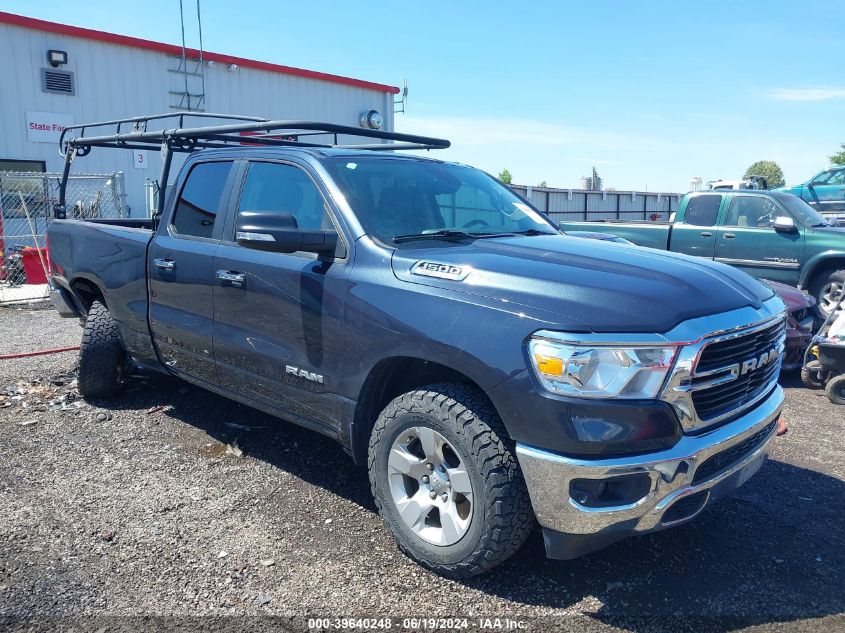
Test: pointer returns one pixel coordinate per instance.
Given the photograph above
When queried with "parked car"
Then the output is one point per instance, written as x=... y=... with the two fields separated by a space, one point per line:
x=800 y=308
x=485 y=369
x=767 y=234
x=825 y=192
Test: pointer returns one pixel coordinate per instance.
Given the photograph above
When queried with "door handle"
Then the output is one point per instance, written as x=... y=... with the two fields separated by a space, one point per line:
x=706 y=234
x=728 y=236
x=164 y=264
x=231 y=277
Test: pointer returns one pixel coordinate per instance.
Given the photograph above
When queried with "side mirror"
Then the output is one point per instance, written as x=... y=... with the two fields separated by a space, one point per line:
x=784 y=224
x=280 y=233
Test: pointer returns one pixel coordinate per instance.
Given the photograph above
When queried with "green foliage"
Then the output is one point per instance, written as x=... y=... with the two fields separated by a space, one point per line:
x=769 y=169
x=543 y=183
x=505 y=176
x=839 y=157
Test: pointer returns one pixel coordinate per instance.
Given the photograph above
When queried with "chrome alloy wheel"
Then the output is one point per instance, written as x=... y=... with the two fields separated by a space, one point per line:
x=430 y=486
x=830 y=295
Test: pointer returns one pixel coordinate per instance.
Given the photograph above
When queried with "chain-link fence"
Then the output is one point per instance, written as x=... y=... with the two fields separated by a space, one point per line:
x=26 y=209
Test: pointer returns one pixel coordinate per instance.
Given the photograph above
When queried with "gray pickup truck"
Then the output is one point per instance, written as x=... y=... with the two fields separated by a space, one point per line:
x=486 y=370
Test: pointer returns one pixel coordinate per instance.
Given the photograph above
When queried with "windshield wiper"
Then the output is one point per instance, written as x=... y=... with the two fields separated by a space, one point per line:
x=447 y=234
x=535 y=232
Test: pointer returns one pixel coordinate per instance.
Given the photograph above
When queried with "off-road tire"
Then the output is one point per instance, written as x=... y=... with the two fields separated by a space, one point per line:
x=811 y=379
x=835 y=389
x=502 y=517
x=101 y=356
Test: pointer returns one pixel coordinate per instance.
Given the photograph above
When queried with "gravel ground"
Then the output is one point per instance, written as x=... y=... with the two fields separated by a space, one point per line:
x=173 y=502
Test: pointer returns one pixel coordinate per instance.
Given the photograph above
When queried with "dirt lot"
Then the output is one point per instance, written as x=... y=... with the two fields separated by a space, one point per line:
x=137 y=507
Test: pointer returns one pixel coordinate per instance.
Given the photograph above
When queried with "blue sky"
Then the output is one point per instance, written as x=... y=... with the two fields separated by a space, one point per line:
x=651 y=93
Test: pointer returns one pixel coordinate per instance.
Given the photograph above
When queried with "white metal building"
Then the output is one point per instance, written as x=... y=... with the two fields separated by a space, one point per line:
x=54 y=75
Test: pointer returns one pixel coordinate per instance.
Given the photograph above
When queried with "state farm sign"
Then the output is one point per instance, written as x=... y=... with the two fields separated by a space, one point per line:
x=46 y=127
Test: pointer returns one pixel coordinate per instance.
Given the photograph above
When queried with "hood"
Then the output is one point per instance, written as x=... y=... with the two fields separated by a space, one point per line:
x=794 y=298
x=590 y=285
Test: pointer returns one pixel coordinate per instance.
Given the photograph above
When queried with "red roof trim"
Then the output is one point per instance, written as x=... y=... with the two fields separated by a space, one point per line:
x=172 y=49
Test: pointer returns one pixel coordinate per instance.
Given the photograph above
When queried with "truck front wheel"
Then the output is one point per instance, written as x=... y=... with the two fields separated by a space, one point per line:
x=827 y=288
x=446 y=481
x=101 y=356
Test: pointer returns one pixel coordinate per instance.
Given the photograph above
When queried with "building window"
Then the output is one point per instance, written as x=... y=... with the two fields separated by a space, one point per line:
x=8 y=164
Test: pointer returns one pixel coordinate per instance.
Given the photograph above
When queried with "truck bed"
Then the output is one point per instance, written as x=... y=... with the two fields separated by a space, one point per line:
x=111 y=256
x=643 y=233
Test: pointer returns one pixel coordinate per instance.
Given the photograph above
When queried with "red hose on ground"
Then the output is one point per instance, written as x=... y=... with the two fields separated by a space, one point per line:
x=40 y=352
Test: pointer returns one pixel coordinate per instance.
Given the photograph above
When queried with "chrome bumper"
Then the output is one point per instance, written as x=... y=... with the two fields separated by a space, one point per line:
x=57 y=298
x=671 y=474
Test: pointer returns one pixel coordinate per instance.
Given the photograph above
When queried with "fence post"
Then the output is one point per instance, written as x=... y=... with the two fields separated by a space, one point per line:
x=118 y=192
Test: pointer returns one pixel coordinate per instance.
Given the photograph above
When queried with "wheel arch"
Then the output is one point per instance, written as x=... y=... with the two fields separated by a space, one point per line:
x=391 y=377
x=819 y=263
x=86 y=290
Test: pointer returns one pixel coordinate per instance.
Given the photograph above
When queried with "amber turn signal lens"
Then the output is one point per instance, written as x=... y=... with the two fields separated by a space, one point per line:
x=549 y=365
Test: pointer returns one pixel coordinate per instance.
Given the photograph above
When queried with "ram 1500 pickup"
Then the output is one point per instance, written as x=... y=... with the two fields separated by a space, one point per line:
x=484 y=368
x=767 y=234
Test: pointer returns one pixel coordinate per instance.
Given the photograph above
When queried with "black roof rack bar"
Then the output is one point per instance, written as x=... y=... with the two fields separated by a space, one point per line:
x=278 y=128
x=290 y=127
x=385 y=147
x=178 y=116
x=187 y=139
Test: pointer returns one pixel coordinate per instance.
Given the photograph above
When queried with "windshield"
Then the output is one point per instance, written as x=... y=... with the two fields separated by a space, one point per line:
x=396 y=197
x=830 y=177
x=802 y=211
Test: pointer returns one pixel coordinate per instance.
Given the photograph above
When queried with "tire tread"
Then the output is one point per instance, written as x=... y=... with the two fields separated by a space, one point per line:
x=100 y=354
x=508 y=516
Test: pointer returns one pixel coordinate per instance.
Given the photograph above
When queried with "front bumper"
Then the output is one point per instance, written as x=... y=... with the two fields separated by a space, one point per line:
x=678 y=487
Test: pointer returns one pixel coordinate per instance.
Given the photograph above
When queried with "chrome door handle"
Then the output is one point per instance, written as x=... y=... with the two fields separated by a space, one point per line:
x=164 y=264
x=231 y=277
x=728 y=236
x=706 y=234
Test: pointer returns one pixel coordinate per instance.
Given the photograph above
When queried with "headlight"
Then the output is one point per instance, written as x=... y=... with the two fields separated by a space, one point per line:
x=600 y=371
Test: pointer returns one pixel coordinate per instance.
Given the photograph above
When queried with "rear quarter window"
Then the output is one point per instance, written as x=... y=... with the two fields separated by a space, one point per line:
x=703 y=210
x=200 y=199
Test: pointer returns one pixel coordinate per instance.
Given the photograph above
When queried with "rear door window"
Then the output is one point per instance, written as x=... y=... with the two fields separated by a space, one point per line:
x=201 y=199
x=702 y=210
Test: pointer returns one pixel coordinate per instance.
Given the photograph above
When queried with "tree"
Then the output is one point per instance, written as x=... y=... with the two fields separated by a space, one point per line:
x=543 y=183
x=769 y=170
x=505 y=176
x=839 y=157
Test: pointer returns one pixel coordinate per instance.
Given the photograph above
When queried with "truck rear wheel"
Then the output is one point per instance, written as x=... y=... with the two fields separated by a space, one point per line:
x=827 y=288
x=101 y=356
x=446 y=481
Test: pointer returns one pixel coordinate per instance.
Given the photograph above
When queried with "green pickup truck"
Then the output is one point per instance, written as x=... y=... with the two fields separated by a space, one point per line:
x=768 y=234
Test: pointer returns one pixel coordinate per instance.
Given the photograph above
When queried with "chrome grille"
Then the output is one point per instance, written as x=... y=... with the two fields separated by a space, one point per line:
x=736 y=350
x=724 y=382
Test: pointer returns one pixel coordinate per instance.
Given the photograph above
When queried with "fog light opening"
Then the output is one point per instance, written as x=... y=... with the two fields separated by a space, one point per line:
x=623 y=490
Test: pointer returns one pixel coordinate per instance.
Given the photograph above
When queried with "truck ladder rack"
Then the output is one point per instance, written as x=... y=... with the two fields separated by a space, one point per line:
x=133 y=133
